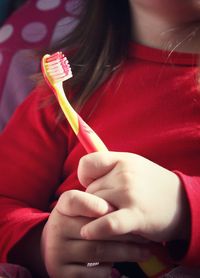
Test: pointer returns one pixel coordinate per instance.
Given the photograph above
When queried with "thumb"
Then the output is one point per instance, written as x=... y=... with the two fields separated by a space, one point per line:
x=95 y=165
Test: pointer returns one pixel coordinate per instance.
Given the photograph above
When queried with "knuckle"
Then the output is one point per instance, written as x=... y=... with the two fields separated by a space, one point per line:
x=84 y=161
x=126 y=178
x=67 y=201
x=81 y=164
x=68 y=197
x=112 y=224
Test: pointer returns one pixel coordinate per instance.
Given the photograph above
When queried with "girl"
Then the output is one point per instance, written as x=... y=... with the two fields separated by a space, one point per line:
x=135 y=66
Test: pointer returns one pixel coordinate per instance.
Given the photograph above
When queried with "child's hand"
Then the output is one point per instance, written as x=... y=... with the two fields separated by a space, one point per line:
x=149 y=199
x=66 y=254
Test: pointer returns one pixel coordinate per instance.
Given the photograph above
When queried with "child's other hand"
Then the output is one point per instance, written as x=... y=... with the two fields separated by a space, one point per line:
x=149 y=200
x=66 y=254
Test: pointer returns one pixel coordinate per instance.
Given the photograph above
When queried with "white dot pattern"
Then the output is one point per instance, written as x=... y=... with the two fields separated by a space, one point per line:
x=6 y=32
x=34 y=25
x=34 y=32
x=73 y=7
x=45 y=5
x=63 y=27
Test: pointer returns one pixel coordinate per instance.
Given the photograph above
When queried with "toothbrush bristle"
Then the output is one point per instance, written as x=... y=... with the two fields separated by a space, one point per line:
x=57 y=67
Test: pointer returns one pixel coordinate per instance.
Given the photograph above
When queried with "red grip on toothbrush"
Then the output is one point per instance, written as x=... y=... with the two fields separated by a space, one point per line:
x=88 y=138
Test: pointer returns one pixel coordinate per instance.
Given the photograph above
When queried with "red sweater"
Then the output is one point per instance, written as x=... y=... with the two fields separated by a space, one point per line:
x=150 y=107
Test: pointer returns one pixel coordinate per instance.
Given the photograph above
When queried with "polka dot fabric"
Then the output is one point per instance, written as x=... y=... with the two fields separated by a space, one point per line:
x=34 y=25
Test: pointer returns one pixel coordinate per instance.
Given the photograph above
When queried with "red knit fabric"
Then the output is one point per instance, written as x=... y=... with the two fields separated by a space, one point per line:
x=150 y=107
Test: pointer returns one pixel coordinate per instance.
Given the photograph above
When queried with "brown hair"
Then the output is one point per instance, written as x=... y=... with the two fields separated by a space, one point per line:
x=98 y=44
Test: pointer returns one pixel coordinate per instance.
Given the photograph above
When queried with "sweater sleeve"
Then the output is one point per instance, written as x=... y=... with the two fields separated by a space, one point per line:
x=33 y=148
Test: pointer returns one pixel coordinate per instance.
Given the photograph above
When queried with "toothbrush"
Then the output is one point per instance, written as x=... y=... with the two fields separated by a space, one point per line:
x=56 y=70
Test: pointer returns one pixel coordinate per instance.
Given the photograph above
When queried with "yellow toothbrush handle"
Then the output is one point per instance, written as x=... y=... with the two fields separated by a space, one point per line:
x=154 y=267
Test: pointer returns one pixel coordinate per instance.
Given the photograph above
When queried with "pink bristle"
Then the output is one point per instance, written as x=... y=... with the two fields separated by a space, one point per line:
x=55 y=56
x=58 y=67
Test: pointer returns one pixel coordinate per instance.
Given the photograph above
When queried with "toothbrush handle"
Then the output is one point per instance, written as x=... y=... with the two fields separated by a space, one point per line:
x=155 y=267
x=88 y=138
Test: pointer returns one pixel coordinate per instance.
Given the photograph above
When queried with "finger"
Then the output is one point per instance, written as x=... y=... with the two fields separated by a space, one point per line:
x=109 y=195
x=112 y=191
x=71 y=227
x=103 y=183
x=123 y=238
x=103 y=251
x=119 y=222
x=82 y=271
x=95 y=165
x=78 y=203
x=129 y=238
